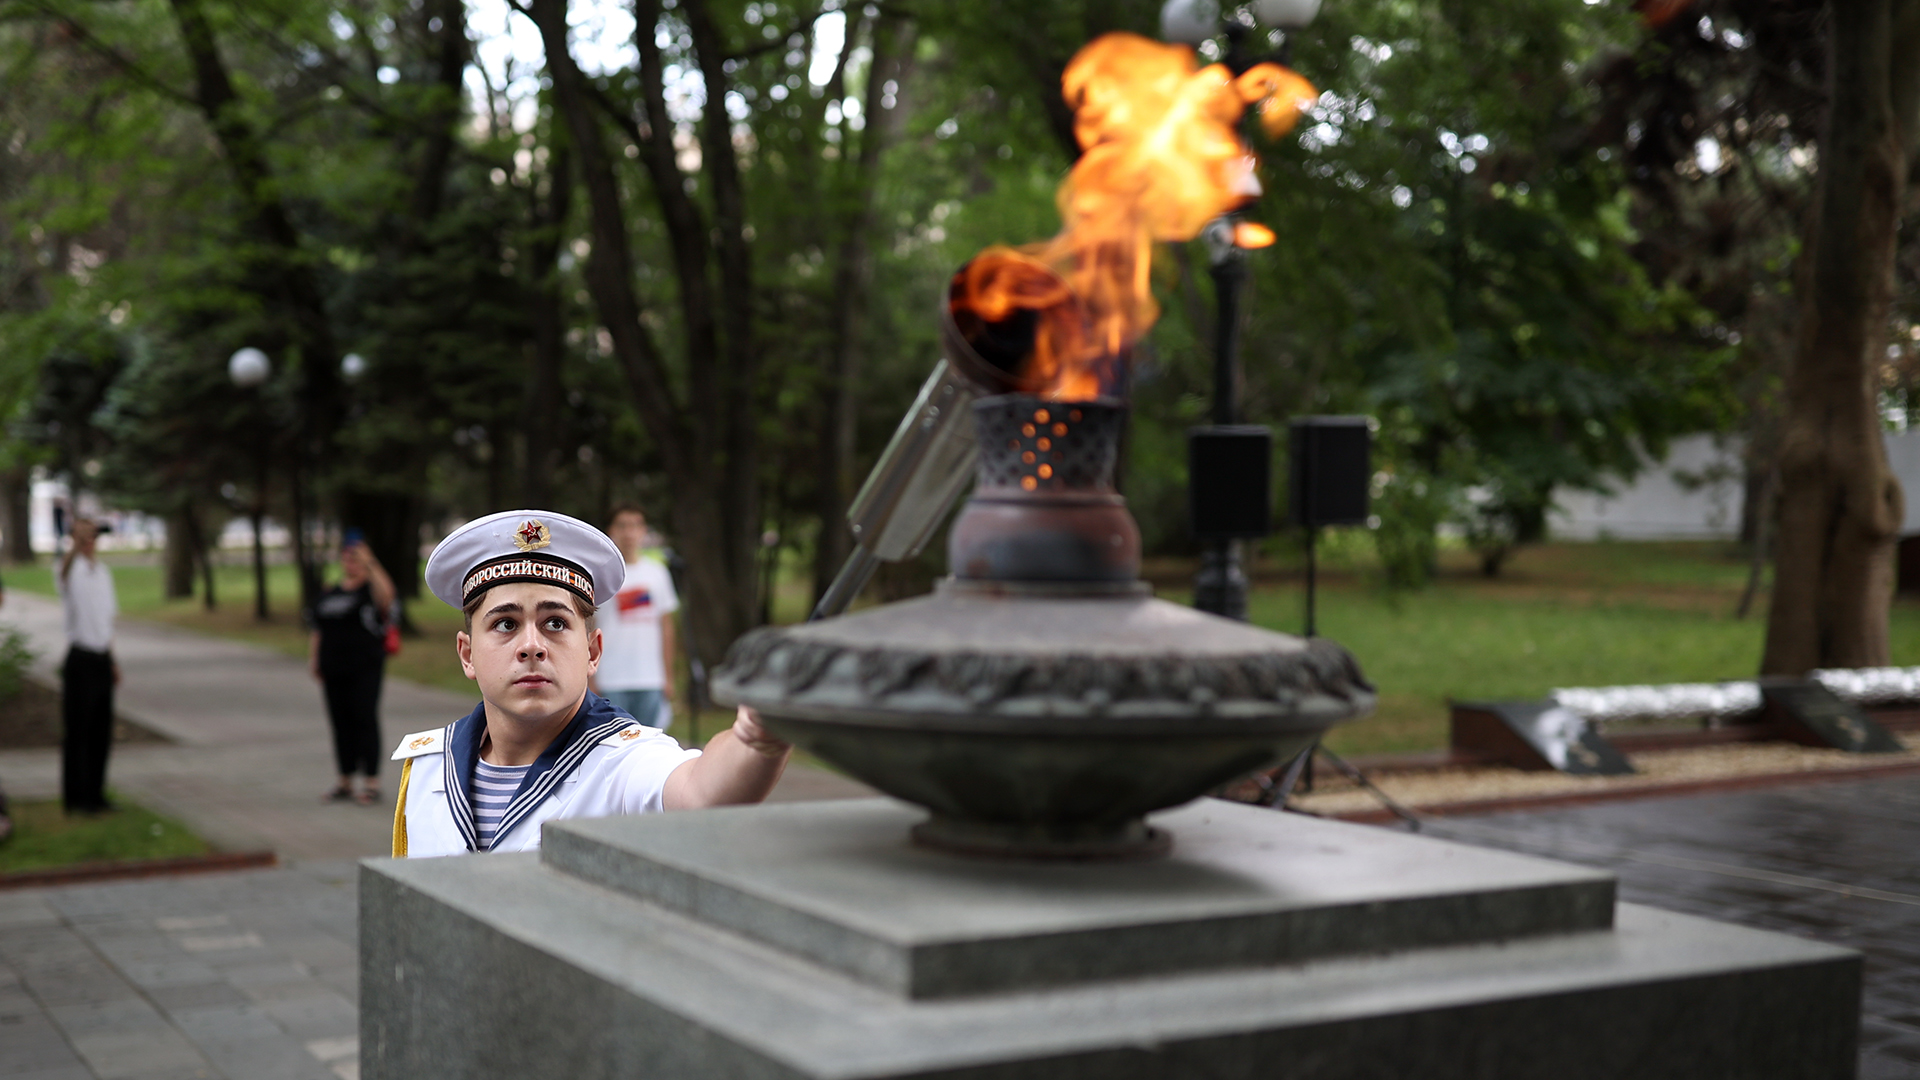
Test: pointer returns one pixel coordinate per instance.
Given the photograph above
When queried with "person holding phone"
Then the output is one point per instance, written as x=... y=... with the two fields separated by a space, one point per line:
x=89 y=675
x=347 y=654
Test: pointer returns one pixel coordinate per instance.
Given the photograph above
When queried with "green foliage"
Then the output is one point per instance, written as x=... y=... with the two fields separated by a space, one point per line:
x=1411 y=508
x=16 y=656
x=1455 y=260
x=1459 y=256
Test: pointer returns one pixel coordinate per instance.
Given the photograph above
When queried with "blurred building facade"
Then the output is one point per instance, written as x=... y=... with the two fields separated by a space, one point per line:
x=1696 y=494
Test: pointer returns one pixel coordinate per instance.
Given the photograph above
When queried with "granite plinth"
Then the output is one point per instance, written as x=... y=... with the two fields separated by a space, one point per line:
x=504 y=965
x=839 y=883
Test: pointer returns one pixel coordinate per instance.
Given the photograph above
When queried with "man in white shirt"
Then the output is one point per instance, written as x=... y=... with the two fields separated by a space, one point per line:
x=636 y=663
x=89 y=675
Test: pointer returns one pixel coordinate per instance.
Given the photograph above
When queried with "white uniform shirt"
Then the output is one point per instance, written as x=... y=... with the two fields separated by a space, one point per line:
x=86 y=597
x=626 y=773
x=630 y=628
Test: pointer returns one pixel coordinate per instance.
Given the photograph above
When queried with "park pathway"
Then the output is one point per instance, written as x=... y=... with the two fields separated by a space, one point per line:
x=251 y=753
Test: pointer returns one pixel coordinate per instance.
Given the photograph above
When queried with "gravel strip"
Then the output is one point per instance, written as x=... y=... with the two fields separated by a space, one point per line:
x=1333 y=794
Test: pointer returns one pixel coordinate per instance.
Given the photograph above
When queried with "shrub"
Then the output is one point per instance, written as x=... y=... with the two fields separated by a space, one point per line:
x=15 y=657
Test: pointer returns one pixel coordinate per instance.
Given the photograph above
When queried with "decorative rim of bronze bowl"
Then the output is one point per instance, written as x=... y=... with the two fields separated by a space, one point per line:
x=981 y=661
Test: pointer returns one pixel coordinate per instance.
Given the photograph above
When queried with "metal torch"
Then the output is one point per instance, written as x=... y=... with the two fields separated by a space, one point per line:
x=927 y=464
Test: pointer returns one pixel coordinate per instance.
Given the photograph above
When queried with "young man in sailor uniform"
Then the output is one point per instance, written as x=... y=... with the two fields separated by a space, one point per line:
x=540 y=745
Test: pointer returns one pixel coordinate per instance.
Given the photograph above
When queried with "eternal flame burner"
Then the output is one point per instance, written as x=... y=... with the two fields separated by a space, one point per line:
x=1040 y=702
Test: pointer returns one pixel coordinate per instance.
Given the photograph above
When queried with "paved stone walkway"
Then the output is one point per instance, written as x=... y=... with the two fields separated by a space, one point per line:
x=244 y=976
x=1837 y=862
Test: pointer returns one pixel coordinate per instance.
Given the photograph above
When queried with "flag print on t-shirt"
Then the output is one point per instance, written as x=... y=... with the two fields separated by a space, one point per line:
x=633 y=625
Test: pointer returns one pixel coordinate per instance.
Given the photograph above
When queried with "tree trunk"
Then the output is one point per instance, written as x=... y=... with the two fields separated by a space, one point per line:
x=210 y=601
x=284 y=277
x=1765 y=514
x=16 y=501
x=853 y=277
x=199 y=553
x=1754 y=481
x=1840 y=504
x=549 y=350
x=261 y=611
x=708 y=440
x=178 y=557
x=304 y=563
x=735 y=414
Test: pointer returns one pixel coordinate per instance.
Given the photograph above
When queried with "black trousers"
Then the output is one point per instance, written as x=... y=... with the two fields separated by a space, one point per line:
x=353 y=708
x=86 y=709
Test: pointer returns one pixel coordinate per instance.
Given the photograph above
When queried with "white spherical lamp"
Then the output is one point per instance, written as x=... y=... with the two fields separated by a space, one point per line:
x=1286 y=14
x=1190 y=22
x=353 y=365
x=249 y=367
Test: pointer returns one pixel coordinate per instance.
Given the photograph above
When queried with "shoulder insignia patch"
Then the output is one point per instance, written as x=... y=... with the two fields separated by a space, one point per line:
x=420 y=742
x=632 y=733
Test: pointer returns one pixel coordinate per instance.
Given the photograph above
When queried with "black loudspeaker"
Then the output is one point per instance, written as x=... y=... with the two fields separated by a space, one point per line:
x=1230 y=482
x=1329 y=469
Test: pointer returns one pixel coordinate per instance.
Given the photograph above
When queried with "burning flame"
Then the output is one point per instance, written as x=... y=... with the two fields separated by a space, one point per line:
x=1251 y=234
x=1162 y=158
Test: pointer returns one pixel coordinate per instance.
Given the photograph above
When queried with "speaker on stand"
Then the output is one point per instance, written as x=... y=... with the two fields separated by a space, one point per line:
x=1329 y=477
x=1229 y=500
x=1329 y=472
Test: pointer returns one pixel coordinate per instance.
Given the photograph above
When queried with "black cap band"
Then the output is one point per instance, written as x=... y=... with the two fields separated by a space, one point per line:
x=538 y=569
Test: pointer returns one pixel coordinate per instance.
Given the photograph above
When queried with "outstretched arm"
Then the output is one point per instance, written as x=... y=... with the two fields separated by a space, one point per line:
x=740 y=765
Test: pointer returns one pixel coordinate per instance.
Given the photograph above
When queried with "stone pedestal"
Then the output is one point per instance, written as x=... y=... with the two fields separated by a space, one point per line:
x=812 y=940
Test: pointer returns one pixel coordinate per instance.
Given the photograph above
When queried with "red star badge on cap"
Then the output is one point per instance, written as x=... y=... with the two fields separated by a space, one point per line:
x=532 y=536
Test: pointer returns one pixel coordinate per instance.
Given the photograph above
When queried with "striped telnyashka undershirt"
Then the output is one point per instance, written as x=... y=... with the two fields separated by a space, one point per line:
x=493 y=788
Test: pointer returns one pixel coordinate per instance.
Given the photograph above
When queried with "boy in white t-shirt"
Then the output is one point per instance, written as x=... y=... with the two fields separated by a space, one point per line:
x=636 y=664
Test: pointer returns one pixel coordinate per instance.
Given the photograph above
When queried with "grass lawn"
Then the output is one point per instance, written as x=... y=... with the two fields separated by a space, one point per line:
x=43 y=836
x=1561 y=614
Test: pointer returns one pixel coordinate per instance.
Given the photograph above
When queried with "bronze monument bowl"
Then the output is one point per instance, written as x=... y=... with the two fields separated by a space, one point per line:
x=1040 y=703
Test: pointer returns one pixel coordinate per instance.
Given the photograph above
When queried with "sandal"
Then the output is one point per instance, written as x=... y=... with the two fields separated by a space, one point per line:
x=339 y=794
x=367 y=797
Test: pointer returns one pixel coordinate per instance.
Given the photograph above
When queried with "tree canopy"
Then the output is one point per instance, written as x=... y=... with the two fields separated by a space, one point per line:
x=687 y=252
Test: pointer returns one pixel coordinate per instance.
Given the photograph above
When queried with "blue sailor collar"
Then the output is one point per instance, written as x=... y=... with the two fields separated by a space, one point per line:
x=596 y=719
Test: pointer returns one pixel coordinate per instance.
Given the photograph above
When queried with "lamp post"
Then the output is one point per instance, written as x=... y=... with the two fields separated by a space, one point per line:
x=1220 y=586
x=249 y=369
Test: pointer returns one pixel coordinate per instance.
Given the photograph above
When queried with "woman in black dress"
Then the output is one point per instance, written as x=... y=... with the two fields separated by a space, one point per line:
x=347 y=653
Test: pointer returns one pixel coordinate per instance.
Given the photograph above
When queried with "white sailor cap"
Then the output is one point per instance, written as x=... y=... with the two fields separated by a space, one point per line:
x=526 y=545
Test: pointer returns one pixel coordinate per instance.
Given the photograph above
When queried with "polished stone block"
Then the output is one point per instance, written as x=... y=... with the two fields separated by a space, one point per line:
x=838 y=883
x=504 y=966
